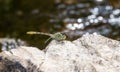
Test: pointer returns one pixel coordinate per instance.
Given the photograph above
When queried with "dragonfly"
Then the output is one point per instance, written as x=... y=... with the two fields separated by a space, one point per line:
x=57 y=36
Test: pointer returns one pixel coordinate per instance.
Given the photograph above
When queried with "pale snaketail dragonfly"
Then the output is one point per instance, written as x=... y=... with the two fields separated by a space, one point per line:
x=57 y=36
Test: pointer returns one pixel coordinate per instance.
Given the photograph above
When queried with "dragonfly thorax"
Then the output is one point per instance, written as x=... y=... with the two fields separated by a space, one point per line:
x=59 y=36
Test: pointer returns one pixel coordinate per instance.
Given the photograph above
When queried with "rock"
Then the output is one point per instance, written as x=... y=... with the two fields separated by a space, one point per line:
x=11 y=43
x=90 y=53
x=22 y=59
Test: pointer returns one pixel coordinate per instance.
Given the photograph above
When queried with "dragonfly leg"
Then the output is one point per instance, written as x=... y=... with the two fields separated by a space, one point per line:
x=47 y=39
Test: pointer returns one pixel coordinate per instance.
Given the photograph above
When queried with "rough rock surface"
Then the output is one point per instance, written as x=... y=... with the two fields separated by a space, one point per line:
x=90 y=53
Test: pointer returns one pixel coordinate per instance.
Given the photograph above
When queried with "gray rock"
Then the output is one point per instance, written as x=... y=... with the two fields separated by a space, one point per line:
x=90 y=53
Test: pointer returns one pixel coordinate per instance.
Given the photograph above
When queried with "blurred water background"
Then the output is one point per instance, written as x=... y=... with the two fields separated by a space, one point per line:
x=72 y=17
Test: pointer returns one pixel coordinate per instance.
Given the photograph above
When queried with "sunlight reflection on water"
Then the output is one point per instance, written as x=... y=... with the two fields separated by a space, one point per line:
x=83 y=17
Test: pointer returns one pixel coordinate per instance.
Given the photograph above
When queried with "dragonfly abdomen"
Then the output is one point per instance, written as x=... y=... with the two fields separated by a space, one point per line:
x=33 y=32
